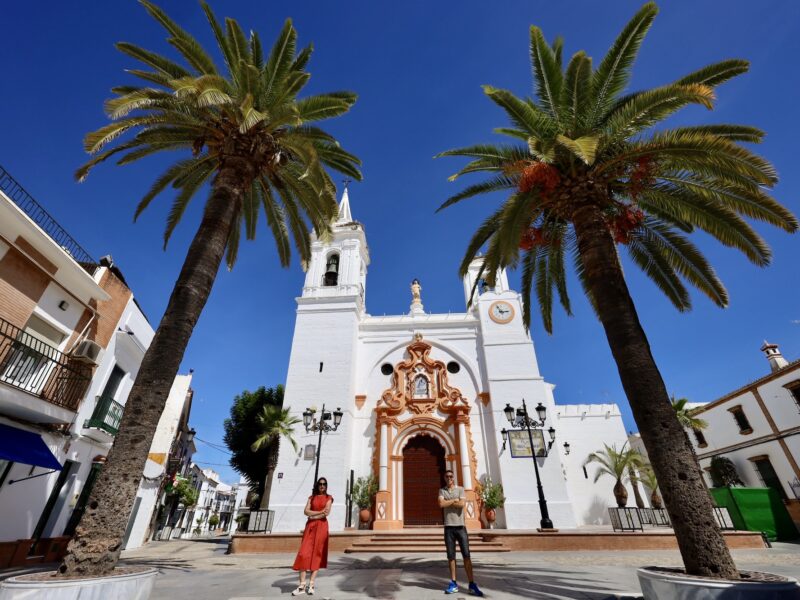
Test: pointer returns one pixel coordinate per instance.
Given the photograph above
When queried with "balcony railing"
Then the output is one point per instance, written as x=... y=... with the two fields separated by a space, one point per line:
x=29 y=364
x=48 y=224
x=106 y=416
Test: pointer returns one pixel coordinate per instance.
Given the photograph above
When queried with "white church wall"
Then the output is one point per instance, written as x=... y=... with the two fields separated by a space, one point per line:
x=512 y=374
x=325 y=333
x=587 y=427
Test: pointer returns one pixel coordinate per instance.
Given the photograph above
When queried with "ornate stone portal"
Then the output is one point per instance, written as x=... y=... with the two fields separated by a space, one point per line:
x=421 y=402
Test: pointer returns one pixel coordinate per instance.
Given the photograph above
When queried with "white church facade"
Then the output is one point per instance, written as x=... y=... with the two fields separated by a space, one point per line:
x=422 y=393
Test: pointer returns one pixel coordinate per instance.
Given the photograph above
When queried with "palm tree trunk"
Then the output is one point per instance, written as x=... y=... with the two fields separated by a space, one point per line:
x=621 y=494
x=635 y=484
x=97 y=543
x=273 y=462
x=687 y=501
x=655 y=499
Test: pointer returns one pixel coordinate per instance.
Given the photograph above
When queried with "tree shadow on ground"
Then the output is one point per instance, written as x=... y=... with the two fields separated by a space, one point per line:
x=162 y=563
x=426 y=578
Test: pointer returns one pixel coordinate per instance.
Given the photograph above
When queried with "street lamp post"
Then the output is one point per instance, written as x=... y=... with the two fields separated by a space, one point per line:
x=520 y=418
x=312 y=424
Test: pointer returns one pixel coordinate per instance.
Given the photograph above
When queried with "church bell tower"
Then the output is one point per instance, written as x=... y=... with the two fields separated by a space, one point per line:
x=322 y=368
x=338 y=267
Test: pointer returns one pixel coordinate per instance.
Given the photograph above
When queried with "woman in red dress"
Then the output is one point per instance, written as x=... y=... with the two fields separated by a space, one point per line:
x=313 y=553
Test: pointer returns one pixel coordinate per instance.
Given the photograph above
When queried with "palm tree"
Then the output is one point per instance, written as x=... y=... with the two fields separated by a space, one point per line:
x=275 y=423
x=588 y=174
x=634 y=479
x=251 y=138
x=686 y=416
x=648 y=478
x=617 y=464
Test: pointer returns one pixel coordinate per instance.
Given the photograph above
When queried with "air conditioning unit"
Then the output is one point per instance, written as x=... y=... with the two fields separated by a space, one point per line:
x=87 y=351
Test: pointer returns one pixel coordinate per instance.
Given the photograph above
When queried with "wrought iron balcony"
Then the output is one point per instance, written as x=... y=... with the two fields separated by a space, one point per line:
x=19 y=196
x=37 y=368
x=106 y=416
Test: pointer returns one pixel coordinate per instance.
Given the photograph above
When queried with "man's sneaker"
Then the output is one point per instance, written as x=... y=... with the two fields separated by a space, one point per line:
x=452 y=588
x=475 y=590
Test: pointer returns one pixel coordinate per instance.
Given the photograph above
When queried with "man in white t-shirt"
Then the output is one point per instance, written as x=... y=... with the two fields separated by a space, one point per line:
x=451 y=500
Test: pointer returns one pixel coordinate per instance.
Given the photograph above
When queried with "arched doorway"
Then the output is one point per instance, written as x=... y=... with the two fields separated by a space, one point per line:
x=423 y=473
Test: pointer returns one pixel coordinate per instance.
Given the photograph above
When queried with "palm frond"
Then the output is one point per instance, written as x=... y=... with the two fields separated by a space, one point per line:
x=546 y=73
x=613 y=73
x=576 y=90
x=717 y=73
x=501 y=182
x=187 y=45
x=280 y=57
x=524 y=115
x=190 y=183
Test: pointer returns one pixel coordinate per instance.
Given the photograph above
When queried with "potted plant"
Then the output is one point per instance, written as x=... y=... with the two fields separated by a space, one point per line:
x=364 y=490
x=492 y=497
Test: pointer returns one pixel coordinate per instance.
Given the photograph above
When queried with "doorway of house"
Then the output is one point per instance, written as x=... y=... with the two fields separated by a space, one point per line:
x=423 y=474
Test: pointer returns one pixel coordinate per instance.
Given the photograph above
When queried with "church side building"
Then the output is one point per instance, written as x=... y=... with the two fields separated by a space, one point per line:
x=422 y=393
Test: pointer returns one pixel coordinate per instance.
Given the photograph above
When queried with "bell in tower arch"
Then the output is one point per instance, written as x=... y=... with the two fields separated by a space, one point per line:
x=331 y=276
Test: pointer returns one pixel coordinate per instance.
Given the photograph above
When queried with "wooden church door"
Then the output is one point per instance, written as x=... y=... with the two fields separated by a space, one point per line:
x=423 y=474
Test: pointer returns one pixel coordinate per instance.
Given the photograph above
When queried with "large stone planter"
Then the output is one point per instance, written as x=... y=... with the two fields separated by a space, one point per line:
x=130 y=586
x=659 y=583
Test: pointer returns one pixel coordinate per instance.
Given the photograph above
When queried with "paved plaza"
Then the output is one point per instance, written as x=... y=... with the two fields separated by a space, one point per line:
x=200 y=570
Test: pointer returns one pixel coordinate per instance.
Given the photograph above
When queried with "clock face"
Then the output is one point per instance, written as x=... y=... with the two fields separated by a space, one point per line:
x=501 y=312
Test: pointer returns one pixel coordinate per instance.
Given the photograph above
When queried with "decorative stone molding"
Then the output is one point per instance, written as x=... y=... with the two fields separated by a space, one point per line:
x=360 y=400
x=420 y=385
x=421 y=401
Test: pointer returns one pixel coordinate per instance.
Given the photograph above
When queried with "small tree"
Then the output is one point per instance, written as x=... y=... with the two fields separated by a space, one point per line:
x=648 y=478
x=213 y=521
x=686 y=416
x=615 y=463
x=242 y=429
x=274 y=424
x=364 y=490
x=723 y=472
x=187 y=495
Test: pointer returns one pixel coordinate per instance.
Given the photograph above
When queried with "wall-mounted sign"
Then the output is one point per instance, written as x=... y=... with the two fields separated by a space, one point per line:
x=310 y=452
x=520 y=444
x=280 y=475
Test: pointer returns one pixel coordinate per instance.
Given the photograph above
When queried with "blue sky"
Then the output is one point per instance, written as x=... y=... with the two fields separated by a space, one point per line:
x=417 y=67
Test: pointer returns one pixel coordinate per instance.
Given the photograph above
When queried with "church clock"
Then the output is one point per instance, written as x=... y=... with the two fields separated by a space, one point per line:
x=501 y=312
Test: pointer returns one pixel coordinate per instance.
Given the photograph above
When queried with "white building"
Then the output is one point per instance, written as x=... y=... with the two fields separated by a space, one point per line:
x=172 y=423
x=757 y=426
x=241 y=491
x=423 y=392
x=72 y=338
x=207 y=483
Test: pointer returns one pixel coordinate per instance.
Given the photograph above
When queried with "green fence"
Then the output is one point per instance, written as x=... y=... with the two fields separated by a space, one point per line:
x=757 y=509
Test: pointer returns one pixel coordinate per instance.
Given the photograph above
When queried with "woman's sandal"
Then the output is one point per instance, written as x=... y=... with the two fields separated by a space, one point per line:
x=299 y=591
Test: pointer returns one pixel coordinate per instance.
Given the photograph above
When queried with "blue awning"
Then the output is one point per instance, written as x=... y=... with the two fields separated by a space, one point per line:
x=27 y=447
